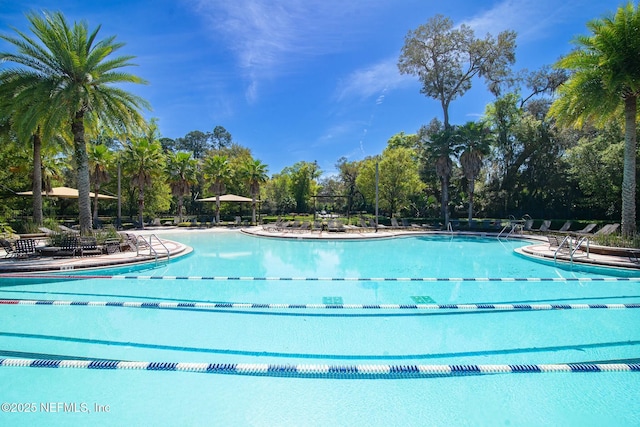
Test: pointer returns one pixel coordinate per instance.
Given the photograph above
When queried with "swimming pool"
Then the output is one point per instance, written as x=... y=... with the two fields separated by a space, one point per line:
x=345 y=322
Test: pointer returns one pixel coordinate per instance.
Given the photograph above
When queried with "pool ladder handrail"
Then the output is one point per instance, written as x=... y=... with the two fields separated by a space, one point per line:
x=514 y=225
x=152 y=249
x=573 y=246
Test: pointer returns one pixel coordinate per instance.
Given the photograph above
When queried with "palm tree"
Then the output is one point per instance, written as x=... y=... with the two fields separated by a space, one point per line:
x=75 y=71
x=474 y=140
x=255 y=173
x=100 y=159
x=217 y=171
x=24 y=101
x=144 y=162
x=441 y=146
x=181 y=168
x=604 y=86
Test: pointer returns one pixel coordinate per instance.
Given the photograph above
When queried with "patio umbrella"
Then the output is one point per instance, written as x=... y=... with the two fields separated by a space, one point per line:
x=66 y=193
x=226 y=198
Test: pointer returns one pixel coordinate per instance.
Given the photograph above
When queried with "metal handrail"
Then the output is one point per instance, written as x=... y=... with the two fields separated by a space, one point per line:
x=578 y=245
x=566 y=240
x=573 y=246
x=151 y=248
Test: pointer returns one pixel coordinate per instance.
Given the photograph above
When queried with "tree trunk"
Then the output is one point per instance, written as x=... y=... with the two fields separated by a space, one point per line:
x=444 y=188
x=37 y=180
x=180 y=204
x=82 y=171
x=218 y=208
x=253 y=208
x=629 y=171
x=472 y=186
x=95 y=204
x=141 y=207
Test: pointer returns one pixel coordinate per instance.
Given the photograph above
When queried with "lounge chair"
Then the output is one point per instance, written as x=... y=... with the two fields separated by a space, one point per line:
x=304 y=226
x=587 y=229
x=607 y=229
x=565 y=227
x=335 y=225
x=544 y=226
x=89 y=246
x=558 y=242
x=112 y=246
x=26 y=248
x=367 y=224
x=69 y=246
x=272 y=226
x=528 y=225
x=135 y=243
x=9 y=249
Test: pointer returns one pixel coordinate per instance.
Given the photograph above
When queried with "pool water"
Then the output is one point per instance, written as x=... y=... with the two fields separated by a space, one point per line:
x=315 y=276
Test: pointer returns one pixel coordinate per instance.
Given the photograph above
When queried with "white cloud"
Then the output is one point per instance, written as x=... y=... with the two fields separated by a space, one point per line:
x=374 y=80
x=272 y=38
x=529 y=19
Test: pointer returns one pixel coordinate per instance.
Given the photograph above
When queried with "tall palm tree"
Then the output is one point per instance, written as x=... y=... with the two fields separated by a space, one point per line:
x=182 y=169
x=474 y=139
x=255 y=174
x=217 y=171
x=144 y=162
x=441 y=146
x=24 y=101
x=604 y=86
x=79 y=77
x=100 y=159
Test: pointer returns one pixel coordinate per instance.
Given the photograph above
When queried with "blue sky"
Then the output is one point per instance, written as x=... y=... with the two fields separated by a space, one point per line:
x=304 y=80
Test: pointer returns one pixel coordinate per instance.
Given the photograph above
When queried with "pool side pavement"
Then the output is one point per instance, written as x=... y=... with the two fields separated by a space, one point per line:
x=68 y=263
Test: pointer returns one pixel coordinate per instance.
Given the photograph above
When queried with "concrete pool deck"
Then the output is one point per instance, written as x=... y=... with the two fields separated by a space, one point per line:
x=538 y=249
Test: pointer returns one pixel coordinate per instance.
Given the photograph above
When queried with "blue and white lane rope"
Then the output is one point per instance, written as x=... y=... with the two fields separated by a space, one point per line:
x=327 y=279
x=223 y=305
x=324 y=371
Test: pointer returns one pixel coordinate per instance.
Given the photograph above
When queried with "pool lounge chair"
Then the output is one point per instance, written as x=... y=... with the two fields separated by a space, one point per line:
x=607 y=229
x=565 y=227
x=9 y=249
x=335 y=225
x=69 y=246
x=543 y=227
x=26 y=248
x=588 y=229
x=89 y=246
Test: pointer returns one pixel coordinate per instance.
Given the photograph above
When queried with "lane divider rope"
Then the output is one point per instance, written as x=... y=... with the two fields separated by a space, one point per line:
x=324 y=371
x=328 y=279
x=229 y=305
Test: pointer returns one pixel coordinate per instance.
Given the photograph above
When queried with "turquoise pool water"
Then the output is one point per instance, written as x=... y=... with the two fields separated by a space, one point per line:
x=234 y=268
